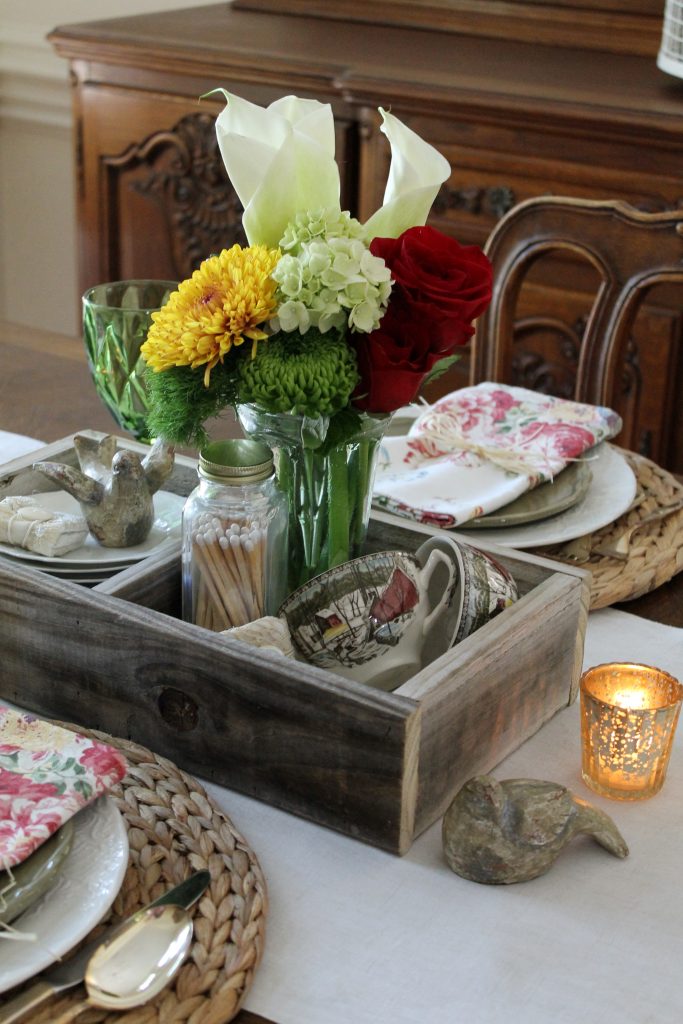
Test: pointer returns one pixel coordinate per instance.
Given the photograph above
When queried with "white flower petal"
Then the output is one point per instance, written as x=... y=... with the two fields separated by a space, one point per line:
x=417 y=171
x=310 y=117
x=363 y=317
x=280 y=161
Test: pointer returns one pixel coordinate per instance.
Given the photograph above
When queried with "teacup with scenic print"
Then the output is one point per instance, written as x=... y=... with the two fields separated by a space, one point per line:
x=369 y=619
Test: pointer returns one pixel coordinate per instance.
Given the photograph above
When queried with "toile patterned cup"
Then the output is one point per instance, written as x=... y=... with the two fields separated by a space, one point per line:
x=483 y=588
x=370 y=619
x=486 y=589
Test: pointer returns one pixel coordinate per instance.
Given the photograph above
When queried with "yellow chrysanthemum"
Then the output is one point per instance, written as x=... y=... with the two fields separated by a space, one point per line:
x=221 y=305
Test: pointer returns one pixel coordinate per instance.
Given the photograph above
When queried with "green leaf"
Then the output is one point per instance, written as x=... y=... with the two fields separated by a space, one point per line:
x=439 y=368
x=343 y=426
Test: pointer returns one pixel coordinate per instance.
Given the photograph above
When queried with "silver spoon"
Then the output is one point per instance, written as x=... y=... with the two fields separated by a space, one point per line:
x=137 y=962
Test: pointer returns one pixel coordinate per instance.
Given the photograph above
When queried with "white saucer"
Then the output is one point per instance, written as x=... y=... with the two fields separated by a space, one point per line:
x=168 y=509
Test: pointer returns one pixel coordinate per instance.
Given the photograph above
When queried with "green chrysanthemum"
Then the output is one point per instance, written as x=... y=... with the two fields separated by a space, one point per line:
x=308 y=374
x=179 y=402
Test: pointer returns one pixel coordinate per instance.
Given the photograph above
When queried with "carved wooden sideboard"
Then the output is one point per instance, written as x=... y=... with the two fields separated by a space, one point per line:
x=515 y=117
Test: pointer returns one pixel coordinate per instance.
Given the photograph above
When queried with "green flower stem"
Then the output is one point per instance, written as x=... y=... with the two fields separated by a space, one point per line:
x=338 y=507
x=326 y=470
x=303 y=514
x=286 y=478
x=313 y=501
x=361 y=464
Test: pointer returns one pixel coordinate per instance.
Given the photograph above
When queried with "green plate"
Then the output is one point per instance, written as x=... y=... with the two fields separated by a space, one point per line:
x=566 y=490
x=29 y=880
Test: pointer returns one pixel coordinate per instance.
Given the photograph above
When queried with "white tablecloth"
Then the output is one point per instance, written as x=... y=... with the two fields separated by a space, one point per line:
x=357 y=936
x=14 y=445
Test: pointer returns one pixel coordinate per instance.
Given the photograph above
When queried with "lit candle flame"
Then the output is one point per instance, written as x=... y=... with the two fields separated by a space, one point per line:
x=631 y=698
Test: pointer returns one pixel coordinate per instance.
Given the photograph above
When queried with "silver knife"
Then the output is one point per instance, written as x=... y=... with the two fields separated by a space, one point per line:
x=65 y=975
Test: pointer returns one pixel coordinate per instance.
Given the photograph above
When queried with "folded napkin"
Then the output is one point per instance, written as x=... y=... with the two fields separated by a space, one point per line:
x=47 y=774
x=25 y=523
x=479 y=448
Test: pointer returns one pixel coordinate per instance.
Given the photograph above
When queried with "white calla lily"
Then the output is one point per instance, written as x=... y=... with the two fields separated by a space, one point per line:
x=280 y=160
x=416 y=174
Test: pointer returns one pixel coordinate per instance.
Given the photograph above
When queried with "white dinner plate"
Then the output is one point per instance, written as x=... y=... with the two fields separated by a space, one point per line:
x=611 y=491
x=168 y=509
x=85 y=888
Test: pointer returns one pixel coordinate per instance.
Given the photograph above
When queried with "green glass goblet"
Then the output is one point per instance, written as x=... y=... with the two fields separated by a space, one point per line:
x=116 y=319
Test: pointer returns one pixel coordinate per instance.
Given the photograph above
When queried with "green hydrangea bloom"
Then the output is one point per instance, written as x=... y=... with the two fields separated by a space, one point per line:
x=331 y=283
x=309 y=374
x=311 y=224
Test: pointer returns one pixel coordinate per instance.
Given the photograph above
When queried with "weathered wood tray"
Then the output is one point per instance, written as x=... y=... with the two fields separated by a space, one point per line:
x=377 y=766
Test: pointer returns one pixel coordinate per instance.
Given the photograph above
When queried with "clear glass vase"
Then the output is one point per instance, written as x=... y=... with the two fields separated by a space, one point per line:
x=326 y=467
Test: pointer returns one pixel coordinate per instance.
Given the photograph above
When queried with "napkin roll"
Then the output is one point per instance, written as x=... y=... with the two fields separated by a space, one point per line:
x=25 y=523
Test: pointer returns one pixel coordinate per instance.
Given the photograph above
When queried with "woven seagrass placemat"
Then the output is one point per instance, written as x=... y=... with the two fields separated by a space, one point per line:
x=638 y=551
x=174 y=828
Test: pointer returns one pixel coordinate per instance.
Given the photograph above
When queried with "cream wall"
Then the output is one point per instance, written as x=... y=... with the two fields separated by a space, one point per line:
x=37 y=219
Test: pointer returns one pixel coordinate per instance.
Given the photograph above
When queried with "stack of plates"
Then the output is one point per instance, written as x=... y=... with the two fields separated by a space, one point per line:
x=581 y=499
x=92 y=563
x=584 y=497
x=82 y=890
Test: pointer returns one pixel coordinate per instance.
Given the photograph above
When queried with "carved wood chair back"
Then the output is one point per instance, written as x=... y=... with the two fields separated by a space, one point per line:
x=631 y=250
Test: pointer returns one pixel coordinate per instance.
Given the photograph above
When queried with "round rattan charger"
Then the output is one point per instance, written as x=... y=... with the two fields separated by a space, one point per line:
x=174 y=828
x=638 y=551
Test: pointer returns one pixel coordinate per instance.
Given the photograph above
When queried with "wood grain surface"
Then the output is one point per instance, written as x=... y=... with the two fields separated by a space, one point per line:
x=352 y=758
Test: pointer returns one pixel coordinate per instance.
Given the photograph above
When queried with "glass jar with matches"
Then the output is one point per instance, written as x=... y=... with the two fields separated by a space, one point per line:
x=234 y=537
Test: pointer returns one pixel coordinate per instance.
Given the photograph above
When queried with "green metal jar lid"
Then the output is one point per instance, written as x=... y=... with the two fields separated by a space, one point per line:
x=236 y=462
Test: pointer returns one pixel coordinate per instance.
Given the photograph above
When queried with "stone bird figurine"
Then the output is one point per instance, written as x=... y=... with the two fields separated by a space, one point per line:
x=503 y=832
x=114 y=488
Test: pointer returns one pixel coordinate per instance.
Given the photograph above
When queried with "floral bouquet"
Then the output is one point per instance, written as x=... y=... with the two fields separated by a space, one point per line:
x=322 y=327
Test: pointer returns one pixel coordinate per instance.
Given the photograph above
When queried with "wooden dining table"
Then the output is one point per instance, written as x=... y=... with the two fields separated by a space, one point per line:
x=46 y=392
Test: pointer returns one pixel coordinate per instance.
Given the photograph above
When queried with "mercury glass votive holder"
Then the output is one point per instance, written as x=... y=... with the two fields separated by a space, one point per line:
x=116 y=319
x=629 y=714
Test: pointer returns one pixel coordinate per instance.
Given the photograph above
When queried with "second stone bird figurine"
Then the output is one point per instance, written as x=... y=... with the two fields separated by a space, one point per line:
x=114 y=488
x=512 y=831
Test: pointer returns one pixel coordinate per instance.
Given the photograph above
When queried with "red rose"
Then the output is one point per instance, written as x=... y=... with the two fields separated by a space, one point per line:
x=392 y=363
x=437 y=278
x=440 y=287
